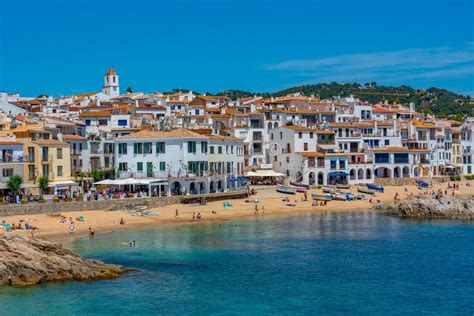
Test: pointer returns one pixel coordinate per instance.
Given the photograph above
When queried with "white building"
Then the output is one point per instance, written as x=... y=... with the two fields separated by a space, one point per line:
x=111 y=83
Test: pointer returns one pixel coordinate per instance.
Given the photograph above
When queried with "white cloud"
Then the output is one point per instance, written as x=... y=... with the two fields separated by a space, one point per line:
x=391 y=66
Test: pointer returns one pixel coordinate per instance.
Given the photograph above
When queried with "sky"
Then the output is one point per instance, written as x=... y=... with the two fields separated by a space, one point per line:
x=61 y=47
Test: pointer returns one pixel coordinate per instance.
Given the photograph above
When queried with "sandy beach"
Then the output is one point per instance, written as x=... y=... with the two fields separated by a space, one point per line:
x=270 y=203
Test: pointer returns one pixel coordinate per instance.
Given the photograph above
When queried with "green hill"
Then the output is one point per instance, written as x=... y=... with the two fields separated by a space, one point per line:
x=441 y=102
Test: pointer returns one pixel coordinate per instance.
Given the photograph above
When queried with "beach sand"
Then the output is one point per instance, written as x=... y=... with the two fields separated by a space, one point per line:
x=270 y=203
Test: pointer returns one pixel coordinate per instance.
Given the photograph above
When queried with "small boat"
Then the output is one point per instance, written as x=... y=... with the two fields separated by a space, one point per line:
x=374 y=187
x=366 y=191
x=329 y=190
x=298 y=189
x=339 y=197
x=360 y=197
x=422 y=184
x=343 y=186
x=320 y=197
x=349 y=196
x=285 y=189
x=298 y=184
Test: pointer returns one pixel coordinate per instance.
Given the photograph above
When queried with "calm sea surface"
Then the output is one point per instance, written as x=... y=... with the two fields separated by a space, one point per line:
x=335 y=263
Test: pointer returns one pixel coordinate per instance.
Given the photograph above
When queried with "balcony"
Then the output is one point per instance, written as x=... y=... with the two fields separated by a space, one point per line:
x=76 y=152
x=47 y=158
x=258 y=137
x=13 y=159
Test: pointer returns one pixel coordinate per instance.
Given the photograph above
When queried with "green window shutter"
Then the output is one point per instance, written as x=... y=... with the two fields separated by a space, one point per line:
x=162 y=166
x=163 y=148
x=135 y=148
x=139 y=166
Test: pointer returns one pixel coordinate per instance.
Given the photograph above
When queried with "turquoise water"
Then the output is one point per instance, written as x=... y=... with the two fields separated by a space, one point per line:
x=335 y=263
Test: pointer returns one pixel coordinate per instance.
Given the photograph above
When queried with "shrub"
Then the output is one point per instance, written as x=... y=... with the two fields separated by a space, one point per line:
x=471 y=177
x=24 y=201
x=68 y=199
x=455 y=178
x=56 y=200
x=41 y=200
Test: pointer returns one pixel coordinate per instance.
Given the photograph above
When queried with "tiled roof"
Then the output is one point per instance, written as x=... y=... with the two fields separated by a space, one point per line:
x=176 y=133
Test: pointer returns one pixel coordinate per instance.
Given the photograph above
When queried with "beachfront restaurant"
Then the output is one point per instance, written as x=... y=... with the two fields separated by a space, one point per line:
x=160 y=186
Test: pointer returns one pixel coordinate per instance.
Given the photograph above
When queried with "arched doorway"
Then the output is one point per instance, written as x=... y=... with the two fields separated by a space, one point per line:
x=312 y=179
x=320 y=178
x=397 y=172
x=299 y=176
x=417 y=171
x=352 y=174
x=360 y=174
x=192 y=188
x=211 y=187
x=383 y=172
x=202 y=187
x=406 y=172
x=369 y=174
x=219 y=185
x=176 y=188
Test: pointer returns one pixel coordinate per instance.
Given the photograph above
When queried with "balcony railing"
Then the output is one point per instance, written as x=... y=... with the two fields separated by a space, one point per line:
x=257 y=137
x=13 y=159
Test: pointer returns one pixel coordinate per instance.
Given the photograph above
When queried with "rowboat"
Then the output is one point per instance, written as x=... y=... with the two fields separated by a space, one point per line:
x=422 y=184
x=285 y=189
x=297 y=189
x=343 y=186
x=298 y=184
x=339 y=197
x=329 y=190
x=320 y=197
x=366 y=191
x=374 y=187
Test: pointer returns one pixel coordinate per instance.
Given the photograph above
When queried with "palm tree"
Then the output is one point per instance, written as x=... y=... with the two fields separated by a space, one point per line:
x=96 y=174
x=14 y=183
x=43 y=183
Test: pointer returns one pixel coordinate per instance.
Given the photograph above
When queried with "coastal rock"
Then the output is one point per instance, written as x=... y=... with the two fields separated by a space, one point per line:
x=25 y=262
x=427 y=207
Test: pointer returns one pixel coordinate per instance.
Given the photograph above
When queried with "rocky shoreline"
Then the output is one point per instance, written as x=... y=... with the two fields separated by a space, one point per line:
x=25 y=262
x=427 y=207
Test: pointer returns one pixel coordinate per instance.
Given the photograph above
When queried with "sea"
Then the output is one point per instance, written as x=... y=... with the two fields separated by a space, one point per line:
x=335 y=263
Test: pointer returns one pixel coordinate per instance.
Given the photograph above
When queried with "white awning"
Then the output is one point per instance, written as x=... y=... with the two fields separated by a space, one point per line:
x=63 y=184
x=131 y=181
x=264 y=173
x=326 y=147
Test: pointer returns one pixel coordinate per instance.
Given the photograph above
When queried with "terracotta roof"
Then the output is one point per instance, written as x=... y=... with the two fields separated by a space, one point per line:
x=95 y=114
x=310 y=154
x=221 y=137
x=176 y=133
x=111 y=72
x=50 y=142
x=74 y=137
x=300 y=128
x=10 y=142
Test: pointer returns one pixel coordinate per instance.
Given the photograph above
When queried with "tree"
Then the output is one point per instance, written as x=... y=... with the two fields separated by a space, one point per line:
x=96 y=174
x=14 y=183
x=43 y=183
x=129 y=90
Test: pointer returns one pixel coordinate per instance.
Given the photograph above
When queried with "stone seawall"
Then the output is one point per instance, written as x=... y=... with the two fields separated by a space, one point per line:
x=109 y=205
x=408 y=181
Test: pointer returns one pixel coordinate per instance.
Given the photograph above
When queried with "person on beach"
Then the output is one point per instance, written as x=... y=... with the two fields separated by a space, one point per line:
x=194 y=216
x=122 y=221
x=256 y=209
x=198 y=217
x=91 y=232
x=72 y=229
x=176 y=215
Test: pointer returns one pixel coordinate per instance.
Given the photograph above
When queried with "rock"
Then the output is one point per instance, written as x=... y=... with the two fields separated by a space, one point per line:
x=426 y=207
x=25 y=262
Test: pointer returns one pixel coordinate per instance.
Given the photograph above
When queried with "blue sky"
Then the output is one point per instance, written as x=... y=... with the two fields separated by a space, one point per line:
x=66 y=46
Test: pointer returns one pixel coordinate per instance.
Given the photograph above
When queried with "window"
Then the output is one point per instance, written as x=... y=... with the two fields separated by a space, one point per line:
x=31 y=172
x=311 y=135
x=191 y=147
x=305 y=146
x=60 y=171
x=271 y=136
x=31 y=154
x=122 y=123
x=219 y=149
x=138 y=148
x=149 y=169
x=122 y=149
x=45 y=170
x=204 y=147
x=229 y=168
x=212 y=149
x=123 y=166
x=7 y=173
x=102 y=122
x=387 y=142
x=288 y=159
x=147 y=148
x=88 y=122
x=45 y=154
x=139 y=166
x=162 y=166
x=59 y=153
x=281 y=135
x=160 y=148
x=300 y=134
